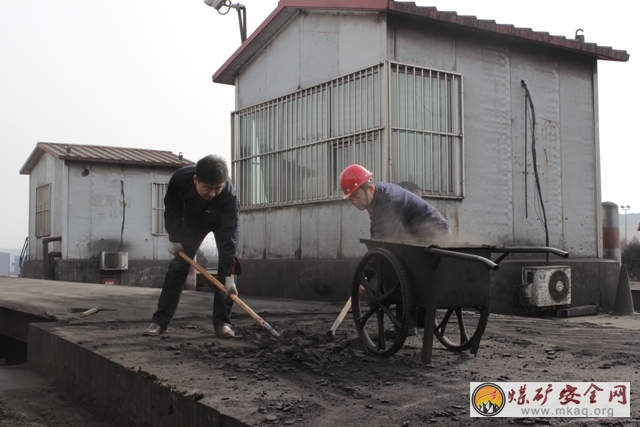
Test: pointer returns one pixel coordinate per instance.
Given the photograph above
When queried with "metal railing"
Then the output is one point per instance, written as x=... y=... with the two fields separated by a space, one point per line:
x=24 y=255
x=402 y=122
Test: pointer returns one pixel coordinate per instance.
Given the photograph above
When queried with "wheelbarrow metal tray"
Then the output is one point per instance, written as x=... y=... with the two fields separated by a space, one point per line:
x=452 y=284
x=447 y=282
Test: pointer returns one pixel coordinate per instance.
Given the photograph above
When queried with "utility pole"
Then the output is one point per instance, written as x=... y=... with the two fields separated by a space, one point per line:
x=625 y=209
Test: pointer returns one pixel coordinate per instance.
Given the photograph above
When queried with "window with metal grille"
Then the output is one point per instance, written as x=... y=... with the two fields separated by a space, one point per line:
x=292 y=149
x=43 y=210
x=158 y=191
x=426 y=129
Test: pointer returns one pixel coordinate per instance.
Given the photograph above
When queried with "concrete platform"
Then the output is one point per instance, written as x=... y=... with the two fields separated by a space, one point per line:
x=106 y=355
x=189 y=377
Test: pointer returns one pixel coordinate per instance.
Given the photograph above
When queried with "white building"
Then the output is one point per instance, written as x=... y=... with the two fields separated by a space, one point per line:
x=5 y=265
x=96 y=213
x=419 y=95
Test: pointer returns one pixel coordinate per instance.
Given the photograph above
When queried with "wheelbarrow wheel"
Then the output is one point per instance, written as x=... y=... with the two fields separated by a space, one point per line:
x=458 y=329
x=384 y=284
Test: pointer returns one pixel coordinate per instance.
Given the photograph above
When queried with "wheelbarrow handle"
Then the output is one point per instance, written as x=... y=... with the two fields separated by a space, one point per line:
x=461 y=255
x=528 y=250
x=531 y=250
x=233 y=297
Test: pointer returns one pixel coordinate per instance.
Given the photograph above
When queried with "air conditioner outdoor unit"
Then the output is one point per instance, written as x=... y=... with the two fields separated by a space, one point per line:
x=546 y=286
x=114 y=260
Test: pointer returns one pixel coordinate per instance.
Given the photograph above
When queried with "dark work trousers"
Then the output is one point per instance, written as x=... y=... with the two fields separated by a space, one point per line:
x=174 y=281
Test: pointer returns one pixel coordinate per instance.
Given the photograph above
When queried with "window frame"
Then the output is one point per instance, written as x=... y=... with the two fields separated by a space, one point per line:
x=450 y=140
x=43 y=211
x=278 y=145
x=158 y=191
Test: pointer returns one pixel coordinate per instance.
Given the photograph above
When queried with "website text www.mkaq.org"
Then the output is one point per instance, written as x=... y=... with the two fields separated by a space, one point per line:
x=568 y=412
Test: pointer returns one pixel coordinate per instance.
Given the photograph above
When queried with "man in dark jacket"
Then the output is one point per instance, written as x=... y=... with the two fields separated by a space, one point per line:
x=200 y=199
x=396 y=214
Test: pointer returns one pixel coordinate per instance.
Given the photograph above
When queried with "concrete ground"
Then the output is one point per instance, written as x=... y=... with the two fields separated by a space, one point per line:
x=304 y=377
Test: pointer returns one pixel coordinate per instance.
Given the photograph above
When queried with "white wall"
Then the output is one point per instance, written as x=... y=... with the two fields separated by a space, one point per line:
x=109 y=198
x=312 y=49
x=498 y=208
x=317 y=231
x=89 y=212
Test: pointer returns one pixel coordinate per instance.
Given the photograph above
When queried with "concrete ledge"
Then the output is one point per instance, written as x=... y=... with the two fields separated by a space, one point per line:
x=135 y=394
x=186 y=378
x=15 y=324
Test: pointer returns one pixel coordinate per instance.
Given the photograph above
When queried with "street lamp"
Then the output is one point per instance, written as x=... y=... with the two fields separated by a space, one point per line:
x=242 y=13
x=625 y=209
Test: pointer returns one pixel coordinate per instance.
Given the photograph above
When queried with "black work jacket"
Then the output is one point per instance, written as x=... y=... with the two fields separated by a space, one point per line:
x=183 y=207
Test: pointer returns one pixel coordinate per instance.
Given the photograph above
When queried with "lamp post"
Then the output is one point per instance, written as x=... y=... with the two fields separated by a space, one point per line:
x=625 y=209
x=242 y=13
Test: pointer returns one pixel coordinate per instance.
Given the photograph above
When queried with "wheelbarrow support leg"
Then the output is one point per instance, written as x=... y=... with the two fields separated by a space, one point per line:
x=481 y=327
x=427 y=339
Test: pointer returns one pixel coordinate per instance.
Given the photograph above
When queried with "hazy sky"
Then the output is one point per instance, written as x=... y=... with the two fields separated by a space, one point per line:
x=137 y=73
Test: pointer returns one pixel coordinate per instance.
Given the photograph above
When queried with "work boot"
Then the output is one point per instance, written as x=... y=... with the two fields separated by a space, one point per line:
x=225 y=331
x=154 y=330
x=392 y=333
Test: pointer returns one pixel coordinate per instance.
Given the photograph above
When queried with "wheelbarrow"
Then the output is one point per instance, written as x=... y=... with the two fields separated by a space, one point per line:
x=451 y=286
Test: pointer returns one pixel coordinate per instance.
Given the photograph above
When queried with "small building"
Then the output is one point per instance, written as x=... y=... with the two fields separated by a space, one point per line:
x=5 y=265
x=497 y=126
x=96 y=213
x=16 y=265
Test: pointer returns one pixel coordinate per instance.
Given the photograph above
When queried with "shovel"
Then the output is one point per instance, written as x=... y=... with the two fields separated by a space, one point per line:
x=340 y=318
x=95 y=310
x=233 y=297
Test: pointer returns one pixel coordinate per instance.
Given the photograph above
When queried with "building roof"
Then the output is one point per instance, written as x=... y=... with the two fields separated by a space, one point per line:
x=103 y=154
x=286 y=9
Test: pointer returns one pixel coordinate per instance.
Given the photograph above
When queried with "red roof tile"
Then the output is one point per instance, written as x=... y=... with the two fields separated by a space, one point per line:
x=104 y=154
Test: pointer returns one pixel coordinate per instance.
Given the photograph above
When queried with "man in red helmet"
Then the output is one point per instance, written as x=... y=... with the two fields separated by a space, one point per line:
x=396 y=214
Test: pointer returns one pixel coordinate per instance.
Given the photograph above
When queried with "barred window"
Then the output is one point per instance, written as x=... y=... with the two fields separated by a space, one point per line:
x=158 y=191
x=292 y=149
x=426 y=129
x=43 y=210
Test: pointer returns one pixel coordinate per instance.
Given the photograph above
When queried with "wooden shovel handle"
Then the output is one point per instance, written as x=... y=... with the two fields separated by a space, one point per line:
x=341 y=317
x=90 y=311
x=233 y=297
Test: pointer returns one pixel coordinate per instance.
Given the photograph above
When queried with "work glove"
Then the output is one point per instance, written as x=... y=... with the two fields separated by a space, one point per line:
x=230 y=286
x=175 y=247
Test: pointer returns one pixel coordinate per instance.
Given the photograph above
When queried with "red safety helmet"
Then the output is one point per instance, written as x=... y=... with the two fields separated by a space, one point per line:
x=353 y=177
